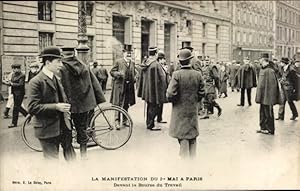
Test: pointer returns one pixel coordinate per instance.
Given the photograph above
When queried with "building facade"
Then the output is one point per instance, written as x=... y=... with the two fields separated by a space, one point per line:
x=287 y=28
x=29 y=26
x=253 y=28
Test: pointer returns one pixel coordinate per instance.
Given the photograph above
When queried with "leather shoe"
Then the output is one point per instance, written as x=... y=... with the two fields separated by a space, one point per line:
x=279 y=118
x=161 y=121
x=293 y=117
x=154 y=129
x=240 y=105
x=12 y=126
x=205 y=117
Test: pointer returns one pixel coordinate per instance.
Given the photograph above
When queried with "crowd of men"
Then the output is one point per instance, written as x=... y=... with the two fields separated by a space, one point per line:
x=192 y=86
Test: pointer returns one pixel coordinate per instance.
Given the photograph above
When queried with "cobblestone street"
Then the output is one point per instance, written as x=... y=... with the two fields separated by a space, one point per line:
x=230 y=154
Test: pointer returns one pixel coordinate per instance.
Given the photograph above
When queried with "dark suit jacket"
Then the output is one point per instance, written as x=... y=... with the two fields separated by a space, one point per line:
x=18 y=83
x=42 y=98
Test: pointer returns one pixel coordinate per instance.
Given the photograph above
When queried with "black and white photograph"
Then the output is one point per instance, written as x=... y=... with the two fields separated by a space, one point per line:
x=149 y=95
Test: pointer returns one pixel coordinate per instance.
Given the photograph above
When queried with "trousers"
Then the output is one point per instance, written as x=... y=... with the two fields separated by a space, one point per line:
x=266 y=118
x=18 y=99
x=243 y=95
x=81 y=123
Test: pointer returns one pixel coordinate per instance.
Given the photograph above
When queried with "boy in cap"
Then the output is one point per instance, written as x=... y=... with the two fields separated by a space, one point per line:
x=47 y=103
x=17 y=84
x=185 y=90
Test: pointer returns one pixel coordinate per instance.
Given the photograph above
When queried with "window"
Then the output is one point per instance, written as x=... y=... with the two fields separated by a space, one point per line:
x=45 y=10
x=244 y=17
x=244 y=37
x=203 y=29
x=189 y=26
x=285 y=34
x=89 y=13
x=238 y=37
x=45 y=40
x=217 y=50
x=217 y=31
x=90 y=44
x=238 y=16
x=203 y=49
x=250 y=38
x=255 y=19
x=119 y=28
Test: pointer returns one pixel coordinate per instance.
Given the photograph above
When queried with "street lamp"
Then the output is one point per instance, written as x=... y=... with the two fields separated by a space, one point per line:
x=82 y=48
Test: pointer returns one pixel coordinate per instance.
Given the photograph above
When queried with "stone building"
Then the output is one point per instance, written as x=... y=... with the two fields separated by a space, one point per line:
x=29 y=26
x=287 y=28
x=253 y=28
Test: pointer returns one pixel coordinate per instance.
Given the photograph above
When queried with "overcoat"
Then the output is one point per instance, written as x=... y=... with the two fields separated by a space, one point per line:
x=246 y=77
x=81 y=86
x=42 y=99
x=223 y=81
x=185 y=90
x=153 y=82
x=233 y=68
x=123 y=82
x=267 y=92
x=290 y=83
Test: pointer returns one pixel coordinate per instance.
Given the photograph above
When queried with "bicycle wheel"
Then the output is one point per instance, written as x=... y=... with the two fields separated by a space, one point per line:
x=111 y=127
x=28 y=136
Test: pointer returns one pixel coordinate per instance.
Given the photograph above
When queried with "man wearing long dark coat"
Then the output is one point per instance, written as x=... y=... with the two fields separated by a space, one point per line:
x=246 y=80
x=186 y=88
x=233 y=68
x=267 y=95
x=152 y=87
x=123 y=78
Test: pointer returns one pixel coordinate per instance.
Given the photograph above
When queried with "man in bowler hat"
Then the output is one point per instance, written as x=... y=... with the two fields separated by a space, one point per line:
x=123 y=78
x=185 y=90
x=267 y=95
x=47 y=102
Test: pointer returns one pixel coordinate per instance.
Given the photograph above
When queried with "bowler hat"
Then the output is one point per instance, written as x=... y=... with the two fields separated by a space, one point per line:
x=16 y=65
x=185 y=54
x=51 y=51
x=285 y=60
x=95 y=63
x=160 y=54
x=127 y=48
x=265 y=55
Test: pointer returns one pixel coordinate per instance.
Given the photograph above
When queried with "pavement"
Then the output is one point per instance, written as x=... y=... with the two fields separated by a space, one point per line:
x=230 y=155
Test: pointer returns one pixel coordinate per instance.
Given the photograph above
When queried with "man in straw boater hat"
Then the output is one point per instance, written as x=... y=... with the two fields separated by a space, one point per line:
x=47 y=102
x=267 y=95
x=289 y=86
x=83 y=92
x=185 y=90
x=123 y=78
x=152 y=88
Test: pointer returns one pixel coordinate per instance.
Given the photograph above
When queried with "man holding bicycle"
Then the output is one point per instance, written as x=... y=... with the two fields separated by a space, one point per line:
x=83 y=92
x=47 y=103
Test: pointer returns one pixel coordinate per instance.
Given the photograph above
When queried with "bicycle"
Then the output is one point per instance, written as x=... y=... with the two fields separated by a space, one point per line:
x=109 y=127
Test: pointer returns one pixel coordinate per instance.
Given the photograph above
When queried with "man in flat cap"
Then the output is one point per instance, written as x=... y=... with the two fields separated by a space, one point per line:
x=288 y=82
x=83 y=92
x=267 y=95
x=34 y=70
x=152 y=87
x=17 y=84
x=123 y=78
x=47 y=102
x=185 y=90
